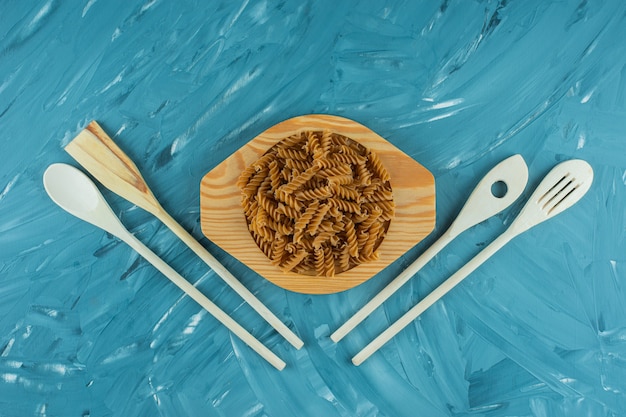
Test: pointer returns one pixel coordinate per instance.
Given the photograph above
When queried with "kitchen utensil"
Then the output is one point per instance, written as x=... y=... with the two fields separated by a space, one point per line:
x=481 y=204
x=75 y=193
x=101 y=157
x=223 y=220
x=562 y=187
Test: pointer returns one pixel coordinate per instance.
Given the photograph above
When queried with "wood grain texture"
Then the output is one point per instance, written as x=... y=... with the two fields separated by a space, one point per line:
x=96 y=151
x=223 y=221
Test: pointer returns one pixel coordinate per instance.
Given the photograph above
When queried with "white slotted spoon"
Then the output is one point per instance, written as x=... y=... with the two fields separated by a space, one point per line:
x=75 y=193
x=561 y=188
x=480 y=205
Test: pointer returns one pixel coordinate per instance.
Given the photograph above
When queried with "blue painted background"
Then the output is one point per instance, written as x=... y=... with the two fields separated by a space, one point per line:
x=87 y=328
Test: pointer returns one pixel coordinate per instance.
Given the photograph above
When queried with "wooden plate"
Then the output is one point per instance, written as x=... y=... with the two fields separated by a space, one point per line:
x=223 y=221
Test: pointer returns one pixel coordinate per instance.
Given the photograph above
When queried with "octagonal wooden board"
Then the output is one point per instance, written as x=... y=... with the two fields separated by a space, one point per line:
x=223 y=221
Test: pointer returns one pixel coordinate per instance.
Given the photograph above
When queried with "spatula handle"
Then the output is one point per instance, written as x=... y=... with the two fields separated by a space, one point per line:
x=230 y=279
x=209 y=306
x=431 y=298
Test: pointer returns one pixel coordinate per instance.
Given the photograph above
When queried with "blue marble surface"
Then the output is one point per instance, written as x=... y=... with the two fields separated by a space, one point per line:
x=88 y=328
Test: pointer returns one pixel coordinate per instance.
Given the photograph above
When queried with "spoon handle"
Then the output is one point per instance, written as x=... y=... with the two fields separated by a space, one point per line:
x=431 y=298
x=230 y=279
x=197 y=296
x=391 y=288
x=480 y=205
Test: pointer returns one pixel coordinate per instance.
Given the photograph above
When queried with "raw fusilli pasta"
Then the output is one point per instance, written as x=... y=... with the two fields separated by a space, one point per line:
x=317 y=203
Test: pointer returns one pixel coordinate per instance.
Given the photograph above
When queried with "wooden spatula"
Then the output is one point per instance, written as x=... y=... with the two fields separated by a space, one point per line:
x=103 y=159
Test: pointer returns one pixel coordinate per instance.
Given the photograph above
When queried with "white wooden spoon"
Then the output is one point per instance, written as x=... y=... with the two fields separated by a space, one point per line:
x=561 y=188
x=75 y=193
x=481 y=205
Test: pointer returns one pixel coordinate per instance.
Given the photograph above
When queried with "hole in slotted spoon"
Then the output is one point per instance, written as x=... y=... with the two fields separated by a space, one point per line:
x=499 y=189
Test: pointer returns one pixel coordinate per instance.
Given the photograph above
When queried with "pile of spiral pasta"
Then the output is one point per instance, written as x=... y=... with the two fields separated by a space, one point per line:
x=317 y=203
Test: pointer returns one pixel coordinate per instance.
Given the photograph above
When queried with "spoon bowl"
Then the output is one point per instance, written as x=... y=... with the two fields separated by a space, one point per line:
x=75 y=193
